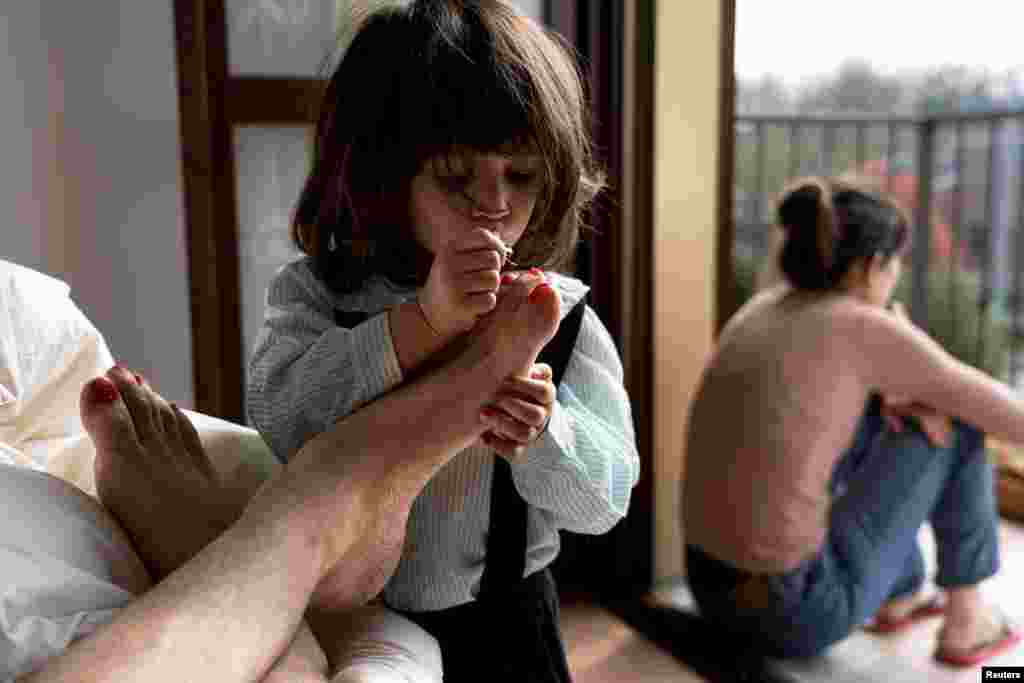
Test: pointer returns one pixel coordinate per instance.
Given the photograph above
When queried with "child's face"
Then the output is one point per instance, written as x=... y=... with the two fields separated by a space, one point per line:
x=497 y=191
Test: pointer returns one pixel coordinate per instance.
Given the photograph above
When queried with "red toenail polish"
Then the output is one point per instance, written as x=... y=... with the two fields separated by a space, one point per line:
x=103 y=391
x=536 y=271
x=505 y=279
x=539 y=291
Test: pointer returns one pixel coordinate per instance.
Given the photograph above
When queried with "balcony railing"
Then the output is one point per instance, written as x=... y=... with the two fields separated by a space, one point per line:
x=961 y=176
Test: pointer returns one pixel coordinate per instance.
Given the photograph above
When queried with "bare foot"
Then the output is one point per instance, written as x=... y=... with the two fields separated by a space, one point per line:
x=152 y=473
x=965 y=634
x=506 y=340
x=525 y=319
x=901 y=608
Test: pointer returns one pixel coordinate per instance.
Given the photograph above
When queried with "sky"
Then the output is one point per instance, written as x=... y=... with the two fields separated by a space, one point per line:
x=800 y=39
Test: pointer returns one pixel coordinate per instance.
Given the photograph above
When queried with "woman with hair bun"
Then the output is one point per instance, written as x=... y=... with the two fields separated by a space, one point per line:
x=802 y=507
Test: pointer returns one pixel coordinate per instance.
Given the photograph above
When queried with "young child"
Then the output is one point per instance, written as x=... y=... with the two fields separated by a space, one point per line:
x=453 y=140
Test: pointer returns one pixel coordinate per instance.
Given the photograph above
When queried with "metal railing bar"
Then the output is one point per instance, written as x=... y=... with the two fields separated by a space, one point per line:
x=922 y=238
x=856 y=119
x=794 y=151
x=1018 y=280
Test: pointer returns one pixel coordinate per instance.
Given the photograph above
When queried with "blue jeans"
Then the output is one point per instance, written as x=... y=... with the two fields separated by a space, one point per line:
x=884 y=488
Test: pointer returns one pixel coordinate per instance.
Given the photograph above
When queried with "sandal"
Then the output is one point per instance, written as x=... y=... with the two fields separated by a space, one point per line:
x=1009 y=637
x=932 y=607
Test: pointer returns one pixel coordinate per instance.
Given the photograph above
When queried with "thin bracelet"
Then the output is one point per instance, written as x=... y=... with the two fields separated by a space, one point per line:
x=423 y=313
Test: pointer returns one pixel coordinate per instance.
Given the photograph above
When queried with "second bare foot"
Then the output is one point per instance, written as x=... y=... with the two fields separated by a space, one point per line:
x=963 y=636
x=152 y=473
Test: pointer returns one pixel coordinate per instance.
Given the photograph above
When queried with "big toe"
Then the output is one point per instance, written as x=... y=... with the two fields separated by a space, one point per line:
x=542 y=312
x=104 y=415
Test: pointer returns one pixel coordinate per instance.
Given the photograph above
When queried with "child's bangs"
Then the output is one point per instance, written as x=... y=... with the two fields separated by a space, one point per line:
x=471 y=98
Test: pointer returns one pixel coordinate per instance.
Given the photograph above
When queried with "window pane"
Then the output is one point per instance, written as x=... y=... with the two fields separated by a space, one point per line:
x=272 y=165
x=280 y=37
x=297 y=37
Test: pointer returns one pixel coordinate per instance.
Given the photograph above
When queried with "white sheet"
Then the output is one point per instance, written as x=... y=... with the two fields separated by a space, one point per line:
x=66 y=567
x=48 y=350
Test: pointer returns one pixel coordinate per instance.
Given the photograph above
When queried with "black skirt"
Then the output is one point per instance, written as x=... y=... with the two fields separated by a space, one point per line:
x=511 y=637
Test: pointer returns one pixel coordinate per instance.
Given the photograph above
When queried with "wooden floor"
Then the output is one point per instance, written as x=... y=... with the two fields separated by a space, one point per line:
x=603 y=649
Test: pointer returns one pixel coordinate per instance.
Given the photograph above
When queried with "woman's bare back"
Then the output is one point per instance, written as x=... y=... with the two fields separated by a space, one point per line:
x=778 y=404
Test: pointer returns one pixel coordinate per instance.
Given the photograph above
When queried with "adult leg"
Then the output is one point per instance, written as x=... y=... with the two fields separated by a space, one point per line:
x=965 y=522
x=872 y=531
x=228 y=613
x=905 y=481
x=906 y=594
x=171 y=517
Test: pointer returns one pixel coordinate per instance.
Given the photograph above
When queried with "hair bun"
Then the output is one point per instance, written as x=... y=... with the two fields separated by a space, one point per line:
x=801 y=209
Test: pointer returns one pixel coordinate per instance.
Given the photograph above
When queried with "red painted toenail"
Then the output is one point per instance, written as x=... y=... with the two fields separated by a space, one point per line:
x=537 y=271
x=103 y=390
x=505 y=279
x=539 y=291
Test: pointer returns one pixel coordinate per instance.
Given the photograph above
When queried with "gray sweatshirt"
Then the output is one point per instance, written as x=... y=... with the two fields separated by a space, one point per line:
x=307 y=372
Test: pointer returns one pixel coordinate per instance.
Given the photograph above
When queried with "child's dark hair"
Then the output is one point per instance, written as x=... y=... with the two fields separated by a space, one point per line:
x=441 y=77
x=831 y=224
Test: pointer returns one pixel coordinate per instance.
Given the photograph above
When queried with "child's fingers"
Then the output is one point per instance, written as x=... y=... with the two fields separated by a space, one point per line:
x=528 y=413
x=541 y=371
x=480 y=303
x=509 y=450
x=540 y=391
x=477 y=239
x=486 y=260
x=477 y=282
x=508 y=427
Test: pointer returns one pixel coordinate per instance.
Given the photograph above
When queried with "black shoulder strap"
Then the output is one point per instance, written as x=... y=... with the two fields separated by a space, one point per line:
x=349 y=319
x=505 y=563
x=506 y=538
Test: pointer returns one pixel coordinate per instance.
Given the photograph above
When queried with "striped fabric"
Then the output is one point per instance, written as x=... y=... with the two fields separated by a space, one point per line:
x=306 y=373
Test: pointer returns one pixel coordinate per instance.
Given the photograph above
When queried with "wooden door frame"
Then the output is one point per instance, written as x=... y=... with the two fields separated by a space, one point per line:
x=212 y=102
x=210 y=209
x=614 y=41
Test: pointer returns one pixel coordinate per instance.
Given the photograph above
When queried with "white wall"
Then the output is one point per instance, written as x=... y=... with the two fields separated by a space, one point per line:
x=22 y=216
x=90 y=172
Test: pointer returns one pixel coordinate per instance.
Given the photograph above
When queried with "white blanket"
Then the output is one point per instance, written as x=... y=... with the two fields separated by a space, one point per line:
x=48 y=350
x=66 y=566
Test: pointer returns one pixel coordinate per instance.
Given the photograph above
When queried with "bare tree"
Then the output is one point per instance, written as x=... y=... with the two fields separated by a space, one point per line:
x=856 y=88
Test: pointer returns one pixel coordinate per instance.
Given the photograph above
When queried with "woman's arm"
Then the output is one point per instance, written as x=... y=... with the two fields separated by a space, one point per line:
x=897 y=358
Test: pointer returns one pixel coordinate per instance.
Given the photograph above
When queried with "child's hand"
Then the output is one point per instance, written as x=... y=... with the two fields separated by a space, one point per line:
x=463 y=282
x=520 y=412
